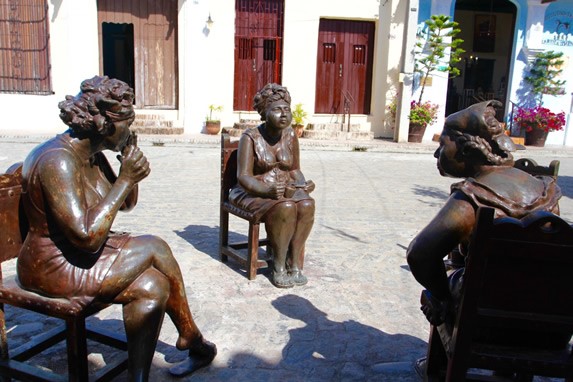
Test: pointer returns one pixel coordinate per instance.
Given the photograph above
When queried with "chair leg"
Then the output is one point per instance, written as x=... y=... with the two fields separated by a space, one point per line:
x=253 y=249
x=76 y=342
x=3 y=337
x=436 y=358
x=3 y=341
x=223 y=234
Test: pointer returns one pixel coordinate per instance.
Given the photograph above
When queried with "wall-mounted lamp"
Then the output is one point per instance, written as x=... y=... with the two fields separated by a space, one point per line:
x=209 y=21
x=470 y=61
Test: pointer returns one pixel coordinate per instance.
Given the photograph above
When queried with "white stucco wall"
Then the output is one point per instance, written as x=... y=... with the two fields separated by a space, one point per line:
x=74 y=57
x=206 y=60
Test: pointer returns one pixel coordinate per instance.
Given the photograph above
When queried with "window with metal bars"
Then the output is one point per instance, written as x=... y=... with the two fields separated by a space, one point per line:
x=24 y=47
x=329 y=52
x=359 y=55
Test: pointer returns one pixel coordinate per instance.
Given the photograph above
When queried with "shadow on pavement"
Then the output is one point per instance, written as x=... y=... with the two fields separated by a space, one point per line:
x=326 y=350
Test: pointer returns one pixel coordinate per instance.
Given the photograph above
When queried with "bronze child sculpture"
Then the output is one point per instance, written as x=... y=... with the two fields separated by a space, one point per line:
x=271 y=184
x=71 y=196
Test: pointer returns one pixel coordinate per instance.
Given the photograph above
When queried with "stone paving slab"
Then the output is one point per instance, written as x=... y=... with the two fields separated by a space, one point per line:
x=357 y=319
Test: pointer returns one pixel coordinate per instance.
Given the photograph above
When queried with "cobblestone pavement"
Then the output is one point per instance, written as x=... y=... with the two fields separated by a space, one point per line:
x=357 y=319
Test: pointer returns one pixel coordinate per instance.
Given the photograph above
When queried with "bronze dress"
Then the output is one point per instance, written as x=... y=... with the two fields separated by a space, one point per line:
x=272 y=165
x=48 y=263
x=511 y=192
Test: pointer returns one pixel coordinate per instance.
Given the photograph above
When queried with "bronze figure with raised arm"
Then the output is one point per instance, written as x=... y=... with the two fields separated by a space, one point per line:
x=71 y=196
x=272 y=185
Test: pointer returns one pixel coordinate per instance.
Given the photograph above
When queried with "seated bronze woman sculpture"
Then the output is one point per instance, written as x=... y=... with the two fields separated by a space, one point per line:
x=71 y=197
x=473 y=146
x=271 y=184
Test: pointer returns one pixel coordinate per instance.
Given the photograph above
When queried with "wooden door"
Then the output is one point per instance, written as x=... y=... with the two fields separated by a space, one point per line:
x=258 y=48
x=153 y=24
x=344 y=67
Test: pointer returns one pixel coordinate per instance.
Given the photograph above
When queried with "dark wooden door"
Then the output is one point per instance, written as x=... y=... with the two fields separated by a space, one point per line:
x=153 y=24
x=344 y=66
x=258 y=48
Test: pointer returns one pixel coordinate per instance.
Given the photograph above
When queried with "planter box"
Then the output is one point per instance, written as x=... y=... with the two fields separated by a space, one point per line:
x=518 y=140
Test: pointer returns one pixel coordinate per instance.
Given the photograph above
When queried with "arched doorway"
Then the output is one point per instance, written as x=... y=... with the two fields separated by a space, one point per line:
x=487 y=28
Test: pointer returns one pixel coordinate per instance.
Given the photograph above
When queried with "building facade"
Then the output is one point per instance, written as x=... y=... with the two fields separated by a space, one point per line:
x=345 y=62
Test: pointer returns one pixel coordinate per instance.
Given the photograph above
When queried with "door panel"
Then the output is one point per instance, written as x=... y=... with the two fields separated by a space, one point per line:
x=344 y=67
x=258 y=48
x=154 y=48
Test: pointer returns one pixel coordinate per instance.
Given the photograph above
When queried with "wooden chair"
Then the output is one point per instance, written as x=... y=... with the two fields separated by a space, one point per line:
x=250 y=260
x=13 y=229
x=517 y=277
x=530 y=166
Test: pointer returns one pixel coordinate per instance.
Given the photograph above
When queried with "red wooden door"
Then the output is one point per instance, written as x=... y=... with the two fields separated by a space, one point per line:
x=258 y=48
x=344 y=66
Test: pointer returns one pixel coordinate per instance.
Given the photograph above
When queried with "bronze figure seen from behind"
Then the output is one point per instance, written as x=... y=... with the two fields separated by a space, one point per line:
x=71 y=196
x=473 y=146
x=272 y=185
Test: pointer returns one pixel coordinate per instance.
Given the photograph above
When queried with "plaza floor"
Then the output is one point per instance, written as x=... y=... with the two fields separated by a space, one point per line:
x=357 y=319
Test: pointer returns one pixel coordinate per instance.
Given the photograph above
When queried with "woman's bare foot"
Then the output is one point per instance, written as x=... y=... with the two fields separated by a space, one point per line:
x=200 y=355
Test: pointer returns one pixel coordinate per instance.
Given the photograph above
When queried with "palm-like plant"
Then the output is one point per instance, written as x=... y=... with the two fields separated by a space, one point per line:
x=433 y=44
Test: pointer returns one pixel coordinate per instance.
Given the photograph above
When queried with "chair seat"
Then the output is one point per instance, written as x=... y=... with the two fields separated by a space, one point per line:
x=11 y=293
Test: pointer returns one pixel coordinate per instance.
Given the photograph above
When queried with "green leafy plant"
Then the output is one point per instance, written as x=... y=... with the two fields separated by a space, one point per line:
x=420 y=113
x=423 y=113
x=543 y=73
x=433 y=44
x=543 y=79
x=298 y=115
x=214 y=109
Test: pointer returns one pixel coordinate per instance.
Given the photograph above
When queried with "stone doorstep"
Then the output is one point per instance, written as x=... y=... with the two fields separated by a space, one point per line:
x=318 y=135
x=154 y=130
x=338 y=135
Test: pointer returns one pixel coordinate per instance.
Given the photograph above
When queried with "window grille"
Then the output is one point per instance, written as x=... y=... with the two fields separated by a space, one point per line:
x=24 y=47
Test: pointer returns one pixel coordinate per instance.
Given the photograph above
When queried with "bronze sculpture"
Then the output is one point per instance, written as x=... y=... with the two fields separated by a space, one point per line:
x=271 y=184
x=472 y=146
x=71 y=196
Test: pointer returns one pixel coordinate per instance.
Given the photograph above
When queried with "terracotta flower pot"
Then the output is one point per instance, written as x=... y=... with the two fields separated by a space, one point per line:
x=536 y=137
x=298 y=129
x=212 y=127
x=416 y=132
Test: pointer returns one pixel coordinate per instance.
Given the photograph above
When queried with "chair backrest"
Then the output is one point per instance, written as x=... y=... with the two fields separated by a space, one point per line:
x=13 y=223
x=518 y=274
x=228 y=165
x=530 y=166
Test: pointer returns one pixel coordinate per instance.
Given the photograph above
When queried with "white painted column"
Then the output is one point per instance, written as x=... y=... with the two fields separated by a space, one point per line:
x=406 y=72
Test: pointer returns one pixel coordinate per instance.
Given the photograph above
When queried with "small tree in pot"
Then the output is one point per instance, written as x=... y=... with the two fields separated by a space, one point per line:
x=213 y=123
x=434 y=43
x=298 y=117
x=543 y=78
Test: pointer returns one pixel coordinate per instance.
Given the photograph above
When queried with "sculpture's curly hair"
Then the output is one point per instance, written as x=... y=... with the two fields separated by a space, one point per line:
x=479 y=135
x=481 y=150
x=100 y=102
x=267 y=95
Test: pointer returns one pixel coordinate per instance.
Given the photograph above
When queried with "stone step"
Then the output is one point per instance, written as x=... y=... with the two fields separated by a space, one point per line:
x=338 y=135
x=155 y=124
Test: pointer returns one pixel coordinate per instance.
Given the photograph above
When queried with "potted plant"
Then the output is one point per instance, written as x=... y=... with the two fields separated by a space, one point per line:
x=432 y=45
x=212 y=121
x=538 y=121
x=298 y=117
x=420 y=116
